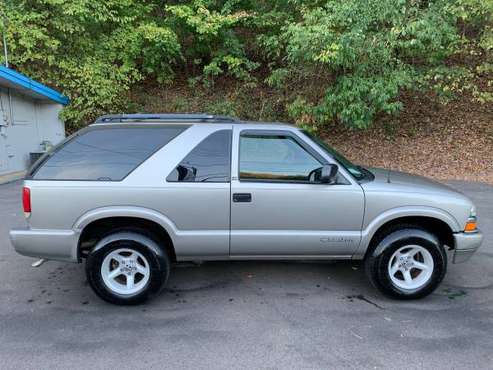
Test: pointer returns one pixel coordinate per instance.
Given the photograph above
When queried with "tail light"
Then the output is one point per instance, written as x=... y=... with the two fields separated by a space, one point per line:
x=26 y=200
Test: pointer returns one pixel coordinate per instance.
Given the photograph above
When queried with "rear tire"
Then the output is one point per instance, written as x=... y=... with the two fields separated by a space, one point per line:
x=407 y=262
x=127 y=268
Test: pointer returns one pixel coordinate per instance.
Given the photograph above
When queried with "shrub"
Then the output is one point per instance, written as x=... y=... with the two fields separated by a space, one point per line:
x=323 y=61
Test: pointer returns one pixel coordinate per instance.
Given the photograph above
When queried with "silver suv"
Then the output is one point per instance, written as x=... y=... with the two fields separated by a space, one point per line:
x=132 y=194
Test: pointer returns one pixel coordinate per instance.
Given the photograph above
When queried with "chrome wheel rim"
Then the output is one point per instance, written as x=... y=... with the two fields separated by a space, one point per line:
x=410 y=267
x=125 y=271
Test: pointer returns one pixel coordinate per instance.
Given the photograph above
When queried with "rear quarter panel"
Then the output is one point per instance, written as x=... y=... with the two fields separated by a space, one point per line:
x=192 y=210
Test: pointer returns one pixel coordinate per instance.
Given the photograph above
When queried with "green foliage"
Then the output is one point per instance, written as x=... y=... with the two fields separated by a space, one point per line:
x=209 y=33
x=322 y=61
x=223 y=107
x=448 y=82
x=367 y=58
x=93 y=51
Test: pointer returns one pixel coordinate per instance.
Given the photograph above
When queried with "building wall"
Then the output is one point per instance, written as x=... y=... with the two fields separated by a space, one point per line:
x=34 y=121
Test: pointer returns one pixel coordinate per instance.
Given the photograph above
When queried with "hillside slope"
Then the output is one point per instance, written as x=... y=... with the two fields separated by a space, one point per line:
x=443 y=141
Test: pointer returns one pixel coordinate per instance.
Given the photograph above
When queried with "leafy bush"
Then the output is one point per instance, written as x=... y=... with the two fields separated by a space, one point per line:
x=93 y=51
x=367 y=59
x=322 y=61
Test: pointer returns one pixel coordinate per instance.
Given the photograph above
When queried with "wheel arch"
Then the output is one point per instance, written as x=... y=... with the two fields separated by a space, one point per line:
x=435 y=221
x=97 y=223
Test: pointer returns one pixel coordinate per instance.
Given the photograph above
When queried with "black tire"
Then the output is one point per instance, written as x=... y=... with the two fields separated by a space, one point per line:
x=388 y=242
x=152 y=255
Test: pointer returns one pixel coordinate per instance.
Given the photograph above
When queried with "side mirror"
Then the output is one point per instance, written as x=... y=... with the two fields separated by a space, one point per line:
x=329 y=174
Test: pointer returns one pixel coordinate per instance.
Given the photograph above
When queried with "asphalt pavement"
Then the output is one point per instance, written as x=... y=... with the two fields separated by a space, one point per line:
x=245 y=314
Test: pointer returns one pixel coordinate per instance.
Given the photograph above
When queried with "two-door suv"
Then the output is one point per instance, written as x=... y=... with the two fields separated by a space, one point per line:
x=133 y=193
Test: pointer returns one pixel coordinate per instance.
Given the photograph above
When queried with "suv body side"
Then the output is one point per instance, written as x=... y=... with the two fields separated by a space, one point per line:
x=283 y=220
x=62 y=209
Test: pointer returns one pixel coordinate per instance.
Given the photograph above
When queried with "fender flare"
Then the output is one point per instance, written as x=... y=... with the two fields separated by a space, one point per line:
x=392 y=238
x=399 y=212
x=126 y=211
x=136 y=237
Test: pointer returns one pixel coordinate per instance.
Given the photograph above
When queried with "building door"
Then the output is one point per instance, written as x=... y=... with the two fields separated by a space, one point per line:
x=21 y=135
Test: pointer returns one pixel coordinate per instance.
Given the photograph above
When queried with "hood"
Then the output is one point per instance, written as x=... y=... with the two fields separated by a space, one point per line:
x=409 y=181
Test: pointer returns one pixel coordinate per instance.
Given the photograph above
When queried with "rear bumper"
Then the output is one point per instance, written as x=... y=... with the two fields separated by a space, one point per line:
x=466 y=244
x=58 y=245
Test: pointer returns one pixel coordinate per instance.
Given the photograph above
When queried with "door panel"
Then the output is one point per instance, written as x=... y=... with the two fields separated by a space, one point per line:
x=296 y=219
x=287 y=213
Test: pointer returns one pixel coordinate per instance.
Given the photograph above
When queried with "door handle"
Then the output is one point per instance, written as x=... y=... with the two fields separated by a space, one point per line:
x=242 y=197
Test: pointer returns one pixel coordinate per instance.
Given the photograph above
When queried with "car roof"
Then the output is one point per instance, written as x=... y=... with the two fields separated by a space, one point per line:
x=174 y=118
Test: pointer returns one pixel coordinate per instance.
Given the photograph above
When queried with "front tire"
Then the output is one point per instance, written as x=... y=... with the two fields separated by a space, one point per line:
x=407 y=263
x=127 y=268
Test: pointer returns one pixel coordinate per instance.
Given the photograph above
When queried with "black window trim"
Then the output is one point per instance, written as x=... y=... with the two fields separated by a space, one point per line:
x=38 y=164
x=323 y=161
x=191 y=150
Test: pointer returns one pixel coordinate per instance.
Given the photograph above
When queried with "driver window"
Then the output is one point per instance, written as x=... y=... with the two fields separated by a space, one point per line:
x=276 y=158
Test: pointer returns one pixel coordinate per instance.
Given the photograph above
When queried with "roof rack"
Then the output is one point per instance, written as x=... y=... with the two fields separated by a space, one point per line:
x=165 y=117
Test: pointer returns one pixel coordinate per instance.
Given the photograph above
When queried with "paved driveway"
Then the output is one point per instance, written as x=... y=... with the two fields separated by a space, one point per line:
x=245 y=314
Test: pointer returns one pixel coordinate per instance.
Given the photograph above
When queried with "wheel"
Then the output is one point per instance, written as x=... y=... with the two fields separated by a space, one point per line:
x=407 y=263
x=127 y=268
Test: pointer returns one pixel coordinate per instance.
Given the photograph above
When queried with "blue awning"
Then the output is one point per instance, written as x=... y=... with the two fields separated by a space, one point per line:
x=25 y=85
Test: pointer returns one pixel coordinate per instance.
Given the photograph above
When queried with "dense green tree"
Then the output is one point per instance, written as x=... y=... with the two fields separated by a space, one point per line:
x=329 y=61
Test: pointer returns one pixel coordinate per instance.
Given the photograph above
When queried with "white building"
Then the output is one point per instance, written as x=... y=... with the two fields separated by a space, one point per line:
x=29 y=121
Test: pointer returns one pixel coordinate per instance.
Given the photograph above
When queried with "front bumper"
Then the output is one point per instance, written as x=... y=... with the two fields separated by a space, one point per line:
x=60 y=245
x=465 y=245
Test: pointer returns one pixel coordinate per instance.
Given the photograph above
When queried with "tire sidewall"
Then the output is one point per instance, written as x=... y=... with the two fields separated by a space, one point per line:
x=389 y=245
x=158 y=265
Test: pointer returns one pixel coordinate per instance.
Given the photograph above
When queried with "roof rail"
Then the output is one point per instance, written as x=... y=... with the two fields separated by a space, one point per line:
x=165 y=117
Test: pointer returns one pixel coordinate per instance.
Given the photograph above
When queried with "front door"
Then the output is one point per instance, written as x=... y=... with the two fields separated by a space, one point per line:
x=279 y=209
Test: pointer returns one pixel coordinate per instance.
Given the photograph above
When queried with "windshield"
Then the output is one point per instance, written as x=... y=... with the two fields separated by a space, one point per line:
x=358 y=172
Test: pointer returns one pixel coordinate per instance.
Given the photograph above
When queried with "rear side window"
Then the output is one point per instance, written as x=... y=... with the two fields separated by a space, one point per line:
x=209 y=161
x=105 y=154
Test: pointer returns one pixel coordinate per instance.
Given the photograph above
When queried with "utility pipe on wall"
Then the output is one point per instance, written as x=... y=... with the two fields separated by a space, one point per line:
x=6 y=55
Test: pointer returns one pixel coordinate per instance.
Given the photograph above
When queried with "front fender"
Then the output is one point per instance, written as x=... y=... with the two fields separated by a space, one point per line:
x=399 y=212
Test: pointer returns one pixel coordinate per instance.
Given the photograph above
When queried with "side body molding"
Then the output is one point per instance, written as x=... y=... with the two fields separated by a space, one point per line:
x=408 y=211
